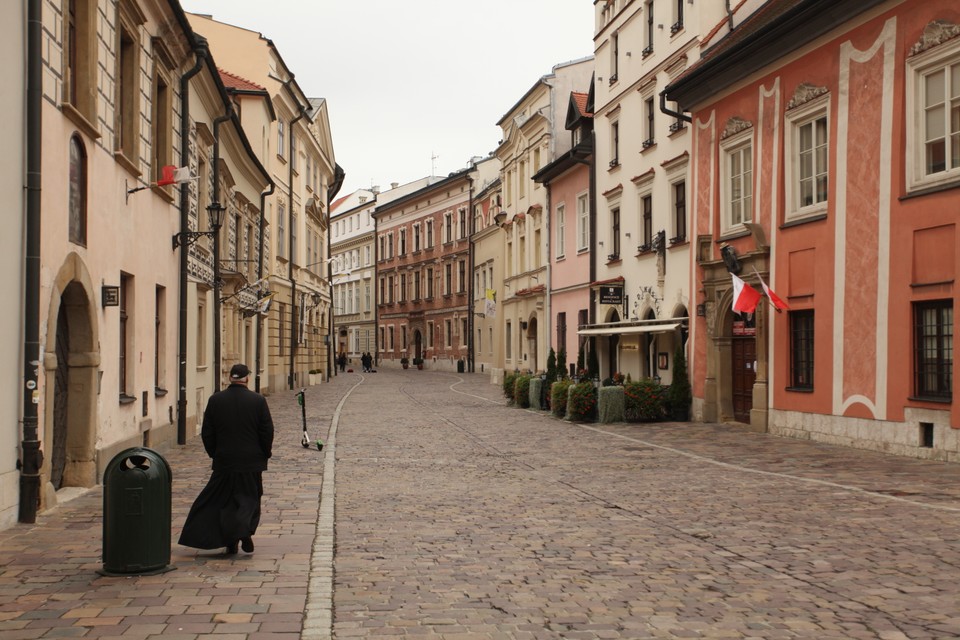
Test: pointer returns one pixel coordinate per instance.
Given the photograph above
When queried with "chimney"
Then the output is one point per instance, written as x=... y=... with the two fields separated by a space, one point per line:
x=394 y=185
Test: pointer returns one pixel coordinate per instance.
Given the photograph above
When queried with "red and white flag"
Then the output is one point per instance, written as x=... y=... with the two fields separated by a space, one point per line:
x=170 y=174
x=775 y=300
x=745 y=297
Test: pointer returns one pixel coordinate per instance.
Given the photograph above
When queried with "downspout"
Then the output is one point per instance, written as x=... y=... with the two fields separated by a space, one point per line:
x=294 y=316
x=200 y=47
x=679 y=115
x=31 y=458
x=259 y=325
x=471 y=346
x=376 y=287
x=218 y=366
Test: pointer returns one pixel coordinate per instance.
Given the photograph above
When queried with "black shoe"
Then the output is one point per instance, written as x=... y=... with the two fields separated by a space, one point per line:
x=231 y=549
x=246 y=544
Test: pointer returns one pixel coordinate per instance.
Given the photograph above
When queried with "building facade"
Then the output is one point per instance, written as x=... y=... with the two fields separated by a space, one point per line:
x=487 y=279
x=423 y=257
x=533 y=136
x=828 y=167
x=642 y=244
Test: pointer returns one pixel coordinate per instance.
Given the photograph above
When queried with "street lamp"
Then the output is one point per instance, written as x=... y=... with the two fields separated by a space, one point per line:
x=215 y=218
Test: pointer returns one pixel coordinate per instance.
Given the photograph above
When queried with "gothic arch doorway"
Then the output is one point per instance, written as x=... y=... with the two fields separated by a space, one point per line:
x=532 y=343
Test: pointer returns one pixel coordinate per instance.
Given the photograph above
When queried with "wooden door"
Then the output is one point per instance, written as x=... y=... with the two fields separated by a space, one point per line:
x=744 y=357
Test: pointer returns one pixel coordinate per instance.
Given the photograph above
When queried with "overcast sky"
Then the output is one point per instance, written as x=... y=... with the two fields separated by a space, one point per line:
x=406 y=80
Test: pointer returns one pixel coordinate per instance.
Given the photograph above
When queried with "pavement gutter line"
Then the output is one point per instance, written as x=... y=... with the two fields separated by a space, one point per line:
x=318 y=614
x=774 y=474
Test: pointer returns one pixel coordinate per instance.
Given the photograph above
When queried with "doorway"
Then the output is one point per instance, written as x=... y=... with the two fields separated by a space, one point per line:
x=744 y=362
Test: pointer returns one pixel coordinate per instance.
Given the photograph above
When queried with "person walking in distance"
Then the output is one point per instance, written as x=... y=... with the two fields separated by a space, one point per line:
x=237 y=434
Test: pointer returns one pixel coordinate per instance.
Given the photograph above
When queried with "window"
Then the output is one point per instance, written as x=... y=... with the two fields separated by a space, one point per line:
x=677 y=17
x=615 y=234
x=801 y=349
x=159 y=337
x=646 y=209
x=430 y=332
x=293 y=150
x=448 y=279
x=614 y=56
x=737 y=183
x=77 y=204
x=933 y=348
x=648 y=43
x=430 y=282
x=293 y=238
x=462 y=219
x=127 y=88
x=933 y=133
x=403 y=288
x=448 y=227
x=463 y=333
x=126 y=335
x=583 y=223
x=416 y=238
x=429 y=234
x=462 y=276
x=614 y=144
x=448 y=333
x=201 y=333
x=280 y=138
x=509 y=340
x=281 y=233
x=390 y=288
x=561 y=331
x=679 y=211
x=162 y=112
x=560 y=224
x=391 y=337
x=417 y=276
x=650 y=109
x=80 y=59
x=403 y=337
x=403 y=242
x=808 y=148
x=383 y=342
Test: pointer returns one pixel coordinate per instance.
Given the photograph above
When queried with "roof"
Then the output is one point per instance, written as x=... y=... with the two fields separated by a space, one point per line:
x=233 y=81
x=580 y=99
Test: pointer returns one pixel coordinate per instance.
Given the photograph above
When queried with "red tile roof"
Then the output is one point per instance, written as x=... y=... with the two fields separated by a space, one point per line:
x=581 y=101
x=233 y=81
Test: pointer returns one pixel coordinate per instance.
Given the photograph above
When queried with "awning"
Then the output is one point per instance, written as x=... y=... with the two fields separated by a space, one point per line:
x=611 y=330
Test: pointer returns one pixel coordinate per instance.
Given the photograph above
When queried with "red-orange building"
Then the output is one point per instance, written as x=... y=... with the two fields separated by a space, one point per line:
x=827 y=161
x=423 y=275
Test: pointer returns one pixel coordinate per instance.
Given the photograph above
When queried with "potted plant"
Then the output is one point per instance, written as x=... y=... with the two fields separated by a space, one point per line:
x=679 y=395
x=418 y=362
x=405 y=362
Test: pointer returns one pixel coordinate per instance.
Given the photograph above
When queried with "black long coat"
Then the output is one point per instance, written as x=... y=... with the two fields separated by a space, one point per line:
x=237 y=430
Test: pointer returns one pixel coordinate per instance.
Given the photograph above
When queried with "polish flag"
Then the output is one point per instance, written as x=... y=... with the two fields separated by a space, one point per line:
x=775 y=300
x=745 y=297
x=170 y=174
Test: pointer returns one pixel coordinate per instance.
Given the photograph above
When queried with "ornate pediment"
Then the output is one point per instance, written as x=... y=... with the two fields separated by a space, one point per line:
x=734 y=126
x=935 y=33
x=804 y=94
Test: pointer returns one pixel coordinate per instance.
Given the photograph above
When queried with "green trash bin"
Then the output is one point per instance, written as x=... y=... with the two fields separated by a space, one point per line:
x=136 y=514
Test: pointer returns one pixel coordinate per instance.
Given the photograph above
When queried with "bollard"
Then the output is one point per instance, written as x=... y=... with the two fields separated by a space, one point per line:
x=136 y=514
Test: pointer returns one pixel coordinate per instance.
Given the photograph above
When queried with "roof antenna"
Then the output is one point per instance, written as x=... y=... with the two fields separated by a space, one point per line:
x=433 y=163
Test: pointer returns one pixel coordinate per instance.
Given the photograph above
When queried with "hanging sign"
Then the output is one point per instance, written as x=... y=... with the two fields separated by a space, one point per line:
x=611 y=294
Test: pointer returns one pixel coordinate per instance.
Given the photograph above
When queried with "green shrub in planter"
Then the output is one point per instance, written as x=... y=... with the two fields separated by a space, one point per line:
x=521 y=391
x=509 y=379
x=582 y=401
x=558 y=396
x=680 y=395
x=611 y=404
x=644 y=401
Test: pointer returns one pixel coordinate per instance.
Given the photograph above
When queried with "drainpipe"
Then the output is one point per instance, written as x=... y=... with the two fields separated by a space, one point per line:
x=201 y=50
x=293 y=283
x=31 y=458
x=679 y=115
x=471 y=294
x=259 y=325
x=218 y=366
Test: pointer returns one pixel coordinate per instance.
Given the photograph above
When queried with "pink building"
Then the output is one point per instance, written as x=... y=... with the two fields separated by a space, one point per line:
x=827 y=163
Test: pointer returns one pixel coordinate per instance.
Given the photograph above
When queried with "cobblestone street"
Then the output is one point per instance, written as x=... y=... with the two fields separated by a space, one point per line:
x=449 y=515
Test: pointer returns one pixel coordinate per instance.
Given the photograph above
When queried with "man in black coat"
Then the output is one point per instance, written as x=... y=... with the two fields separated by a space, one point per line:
x=237 y=434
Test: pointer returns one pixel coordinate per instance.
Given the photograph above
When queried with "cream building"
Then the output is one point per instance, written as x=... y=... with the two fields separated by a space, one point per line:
x=12 y=172
x=488 y=348
x=297 y=149
x=642 y=232
x=109 y=281
x=533 y=136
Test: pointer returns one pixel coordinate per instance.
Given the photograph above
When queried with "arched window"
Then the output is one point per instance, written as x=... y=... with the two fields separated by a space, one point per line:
x=77 y=204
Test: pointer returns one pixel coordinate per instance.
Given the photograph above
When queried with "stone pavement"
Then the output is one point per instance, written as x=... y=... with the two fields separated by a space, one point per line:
x=458 y=517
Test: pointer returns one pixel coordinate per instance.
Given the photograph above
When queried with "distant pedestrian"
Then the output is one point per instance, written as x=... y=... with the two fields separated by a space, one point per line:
x=237 y=434
x=366 y=360
x=342 y=361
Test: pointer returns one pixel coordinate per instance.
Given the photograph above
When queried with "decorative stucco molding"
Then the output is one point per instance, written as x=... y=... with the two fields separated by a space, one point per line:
x=734 y=126
x=805 y=93
x=935 y=33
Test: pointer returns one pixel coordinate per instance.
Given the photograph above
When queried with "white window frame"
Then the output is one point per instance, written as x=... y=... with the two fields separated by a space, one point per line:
x=802 y=116
x=561 y=226
x=734 y=145
x=583 y=222
x=918 y=67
